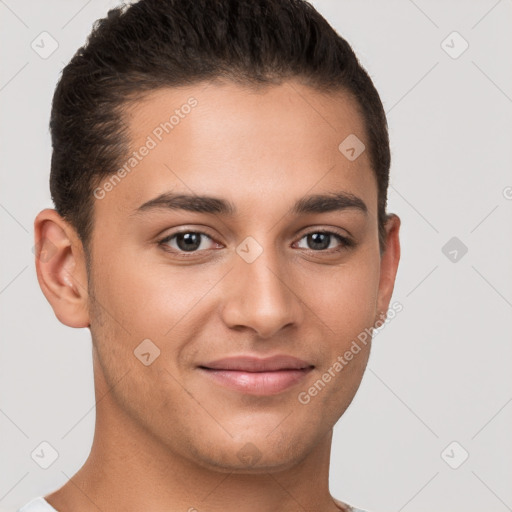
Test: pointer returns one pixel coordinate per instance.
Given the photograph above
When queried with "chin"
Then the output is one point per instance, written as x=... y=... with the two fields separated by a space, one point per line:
x=253 y=454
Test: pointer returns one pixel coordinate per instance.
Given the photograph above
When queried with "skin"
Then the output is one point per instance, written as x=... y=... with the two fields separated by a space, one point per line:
x=167 y=438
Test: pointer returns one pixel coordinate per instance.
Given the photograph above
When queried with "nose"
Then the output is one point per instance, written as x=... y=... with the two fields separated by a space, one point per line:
x=260 y=296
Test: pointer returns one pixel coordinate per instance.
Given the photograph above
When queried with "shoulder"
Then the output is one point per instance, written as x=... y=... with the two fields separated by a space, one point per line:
x=37 y=505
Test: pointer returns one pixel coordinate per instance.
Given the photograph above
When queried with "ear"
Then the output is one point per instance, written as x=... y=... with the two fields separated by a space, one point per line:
x=61 y=268
x=389 y=264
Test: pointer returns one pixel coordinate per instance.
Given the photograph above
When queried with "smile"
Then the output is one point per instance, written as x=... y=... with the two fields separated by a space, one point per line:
x=257 y=376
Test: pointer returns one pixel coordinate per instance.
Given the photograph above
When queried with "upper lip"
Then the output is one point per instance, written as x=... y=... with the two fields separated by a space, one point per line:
x=257 y=364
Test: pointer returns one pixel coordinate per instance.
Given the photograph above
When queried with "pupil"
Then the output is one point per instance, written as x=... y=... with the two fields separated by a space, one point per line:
x=319 y=240
x=191 y=241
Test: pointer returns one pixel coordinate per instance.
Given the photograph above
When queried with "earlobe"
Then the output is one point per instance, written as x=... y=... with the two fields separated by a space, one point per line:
x=61 y=268
x=389 y=263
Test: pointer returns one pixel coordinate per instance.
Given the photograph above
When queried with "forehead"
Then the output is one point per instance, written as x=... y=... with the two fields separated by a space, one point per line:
x=248 y=146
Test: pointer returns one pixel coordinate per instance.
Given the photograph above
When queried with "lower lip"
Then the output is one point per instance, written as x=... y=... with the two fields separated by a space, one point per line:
x=257 y=383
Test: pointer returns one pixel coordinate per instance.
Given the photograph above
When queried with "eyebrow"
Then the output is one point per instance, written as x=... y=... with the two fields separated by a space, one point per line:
x=318 y=203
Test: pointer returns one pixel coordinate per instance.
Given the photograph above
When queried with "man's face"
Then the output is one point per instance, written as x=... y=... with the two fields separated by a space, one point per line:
x=260 y=281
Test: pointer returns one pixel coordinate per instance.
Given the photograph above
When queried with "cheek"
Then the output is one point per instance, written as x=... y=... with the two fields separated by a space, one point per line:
x=144 y=299
x=153 y=300
x=345 y=298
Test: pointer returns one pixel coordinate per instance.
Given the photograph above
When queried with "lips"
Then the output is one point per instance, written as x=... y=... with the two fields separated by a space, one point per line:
x=257 y=376
x=255 y=364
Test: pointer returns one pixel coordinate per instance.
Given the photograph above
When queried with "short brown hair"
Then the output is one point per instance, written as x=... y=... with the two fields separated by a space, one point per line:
x=154 y=44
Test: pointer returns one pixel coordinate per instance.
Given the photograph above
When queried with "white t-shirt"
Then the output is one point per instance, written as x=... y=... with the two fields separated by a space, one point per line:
x=37 y=505
x=41 y=505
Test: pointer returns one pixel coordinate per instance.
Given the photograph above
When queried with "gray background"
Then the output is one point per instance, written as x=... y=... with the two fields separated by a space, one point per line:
x=439 y=372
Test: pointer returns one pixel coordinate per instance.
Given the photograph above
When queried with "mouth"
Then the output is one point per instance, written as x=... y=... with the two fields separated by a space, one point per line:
x=256 y=376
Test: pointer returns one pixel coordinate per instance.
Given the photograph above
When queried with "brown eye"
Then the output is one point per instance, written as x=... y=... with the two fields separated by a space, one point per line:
x=186 y=241
x=323 y=240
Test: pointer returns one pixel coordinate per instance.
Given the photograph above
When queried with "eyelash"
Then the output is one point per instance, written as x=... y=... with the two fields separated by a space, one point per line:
x=346 y=243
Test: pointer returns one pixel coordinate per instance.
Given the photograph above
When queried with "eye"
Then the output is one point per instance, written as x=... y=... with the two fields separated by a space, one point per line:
x=186 y=241
x=183 y=242
x=322 y=240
